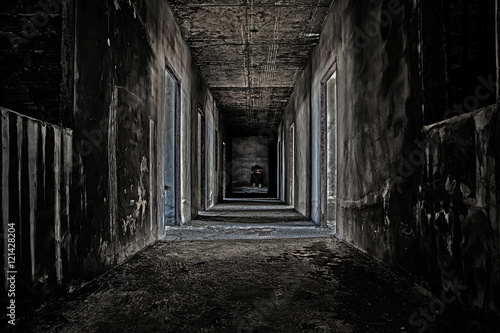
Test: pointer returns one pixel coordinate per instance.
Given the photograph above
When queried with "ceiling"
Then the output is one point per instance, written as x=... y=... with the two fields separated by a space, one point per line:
x=251 y=53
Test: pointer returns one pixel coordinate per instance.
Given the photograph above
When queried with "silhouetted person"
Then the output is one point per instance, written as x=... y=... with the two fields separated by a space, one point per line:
x=256 y=175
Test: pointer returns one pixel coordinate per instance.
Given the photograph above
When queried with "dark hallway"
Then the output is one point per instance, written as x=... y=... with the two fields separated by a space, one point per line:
x=250 y=165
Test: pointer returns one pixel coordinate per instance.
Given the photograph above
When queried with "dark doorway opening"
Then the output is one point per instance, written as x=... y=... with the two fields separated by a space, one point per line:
x=202 y=176
x=291 y=163
x=241 y=154
x=329 y=148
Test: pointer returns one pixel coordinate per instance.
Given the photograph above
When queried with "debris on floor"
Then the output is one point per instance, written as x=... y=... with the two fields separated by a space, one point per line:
x=248 y=285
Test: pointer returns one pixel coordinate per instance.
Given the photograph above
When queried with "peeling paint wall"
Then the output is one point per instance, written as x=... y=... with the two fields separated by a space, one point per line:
x=372 y=115
x=124 y=47
x=93 y=188
x=114 y=112
x=169 y=46
x=458 y=226
x=432 y=211
x=377 y=118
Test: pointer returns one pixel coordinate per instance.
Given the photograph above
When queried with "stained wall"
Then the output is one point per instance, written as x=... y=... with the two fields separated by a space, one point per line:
x=431 y=211
x=83 y=184
x=457 y=223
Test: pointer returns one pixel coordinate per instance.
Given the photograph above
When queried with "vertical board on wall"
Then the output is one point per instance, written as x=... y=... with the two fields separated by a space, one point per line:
x=19 y=219
x=32 y=167
x=5 y=187
x=291 y=157
x=57 y=202
x=35 y=190
x=67 y=164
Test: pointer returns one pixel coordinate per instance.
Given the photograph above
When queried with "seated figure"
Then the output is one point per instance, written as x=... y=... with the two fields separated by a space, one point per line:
x=256 y=175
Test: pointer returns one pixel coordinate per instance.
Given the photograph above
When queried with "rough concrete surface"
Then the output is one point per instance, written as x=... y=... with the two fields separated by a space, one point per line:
x=83 y=105
x=287 y=285
x=265 y=45
x=458 y=201
x=249 y=211
x=203 y=230
x=249 y=190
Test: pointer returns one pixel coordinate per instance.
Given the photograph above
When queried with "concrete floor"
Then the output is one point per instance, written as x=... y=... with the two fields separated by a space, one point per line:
x=246 y=277
x=248 y=219
x=252 y=211
x=249 y=189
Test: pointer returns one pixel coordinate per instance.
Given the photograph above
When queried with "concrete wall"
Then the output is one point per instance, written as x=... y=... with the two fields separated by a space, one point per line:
x=441 y=225
x=247 y=152
x=34 y=43
x=214 y=180
x=457 y=230
x=298 y=112
x=125 y=53
x=378 y=117
x=107 y=205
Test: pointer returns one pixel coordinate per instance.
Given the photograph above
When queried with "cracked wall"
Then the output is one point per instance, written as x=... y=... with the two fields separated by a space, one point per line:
x=86 y=194
x=432 y=212
x=458 y=223
x=123 y=49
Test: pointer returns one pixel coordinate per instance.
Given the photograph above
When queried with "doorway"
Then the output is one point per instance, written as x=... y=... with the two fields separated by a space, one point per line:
x=202 y=204
x=170 y=153
x=282 y=164
x=291 y=157
x=329 y=148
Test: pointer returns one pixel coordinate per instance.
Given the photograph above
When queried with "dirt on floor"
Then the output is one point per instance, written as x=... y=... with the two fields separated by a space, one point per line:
x=257 y=285
x=251 y=211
